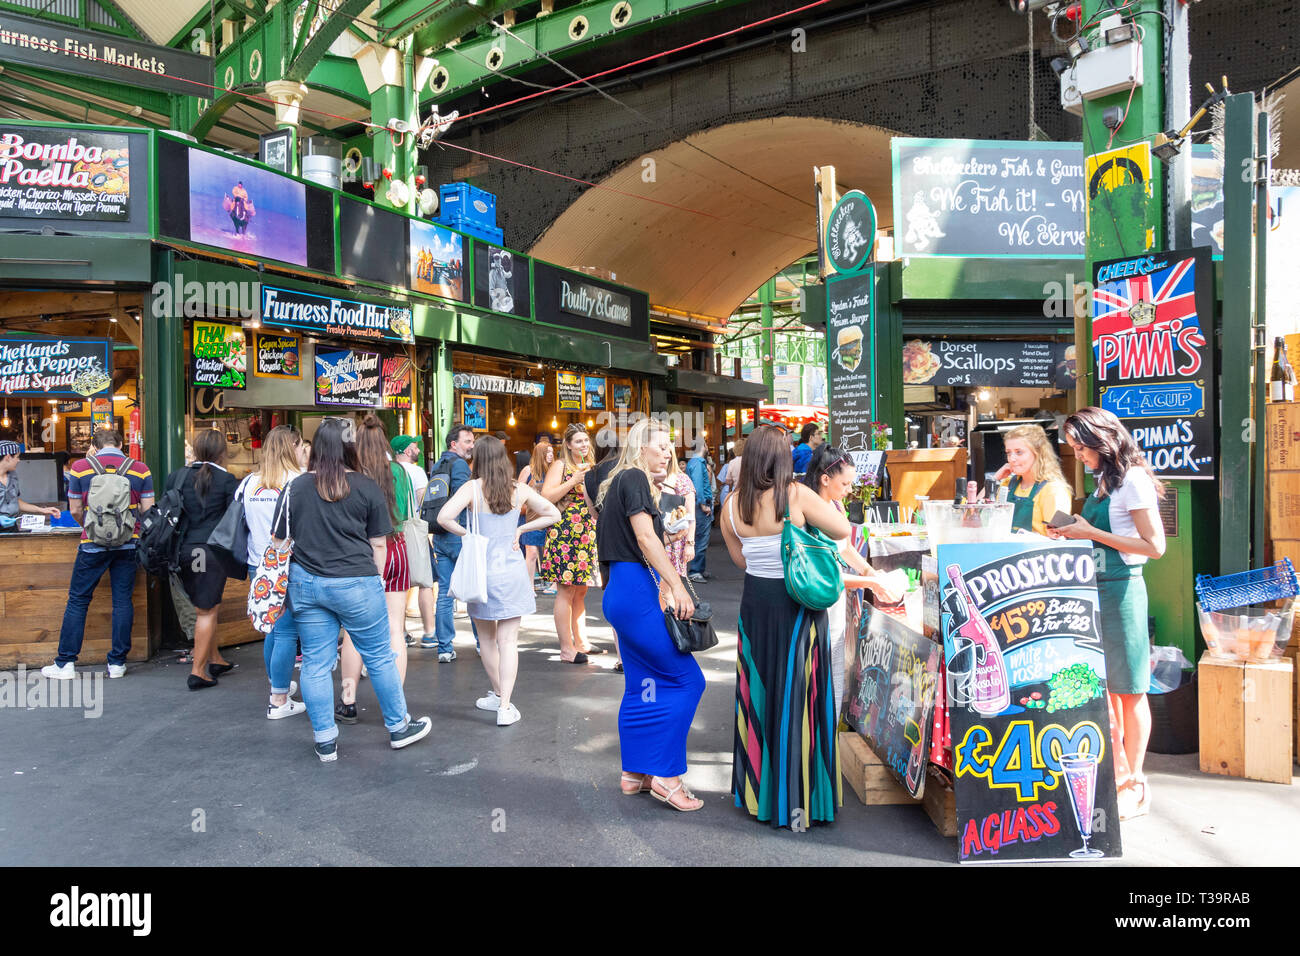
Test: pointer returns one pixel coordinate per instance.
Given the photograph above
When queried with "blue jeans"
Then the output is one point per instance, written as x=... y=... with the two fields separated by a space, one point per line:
x=703 y=528
x=280 y=647
x=445 y=612
x=90 y=566
x=320 y=607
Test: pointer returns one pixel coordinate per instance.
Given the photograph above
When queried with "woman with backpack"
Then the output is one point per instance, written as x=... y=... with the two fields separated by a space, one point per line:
x=337 y=522
x=494 y=499
x=374 y=461
x=206 y=491
x=260 y=492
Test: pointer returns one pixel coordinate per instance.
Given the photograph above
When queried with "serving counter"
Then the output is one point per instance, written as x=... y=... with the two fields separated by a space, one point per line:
x=35 y=570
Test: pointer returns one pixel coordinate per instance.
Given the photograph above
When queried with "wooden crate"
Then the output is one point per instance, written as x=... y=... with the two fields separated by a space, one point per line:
x=941 y=805
x=1292 y=652
x=1284 y=504
x=1246 y=718
x=867 y=776
x=1282 y=438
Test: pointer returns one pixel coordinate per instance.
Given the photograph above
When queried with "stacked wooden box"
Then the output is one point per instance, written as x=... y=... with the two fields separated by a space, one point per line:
x=876 y=786
x=1282 y=440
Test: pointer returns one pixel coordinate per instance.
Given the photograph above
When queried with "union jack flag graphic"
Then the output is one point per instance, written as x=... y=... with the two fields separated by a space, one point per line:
x=1116 y=305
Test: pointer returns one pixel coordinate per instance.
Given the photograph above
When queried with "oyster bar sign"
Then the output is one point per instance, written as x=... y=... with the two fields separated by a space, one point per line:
x=60 y=175
x=593 y=302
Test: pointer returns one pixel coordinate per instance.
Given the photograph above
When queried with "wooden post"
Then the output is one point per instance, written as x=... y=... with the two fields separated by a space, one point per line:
x=827 y=196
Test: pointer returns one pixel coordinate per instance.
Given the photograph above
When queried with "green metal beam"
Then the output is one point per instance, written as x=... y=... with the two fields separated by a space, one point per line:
x=311 y=52
x=467 y=68
x=8 y=78
x=151 y=100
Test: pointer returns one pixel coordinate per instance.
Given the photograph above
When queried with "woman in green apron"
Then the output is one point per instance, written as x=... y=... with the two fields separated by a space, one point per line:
x=1121 y=518
x=1033 y=476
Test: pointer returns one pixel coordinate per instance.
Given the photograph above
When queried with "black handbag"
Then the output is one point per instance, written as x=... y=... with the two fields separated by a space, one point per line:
x=694 y=634
x=229 y=539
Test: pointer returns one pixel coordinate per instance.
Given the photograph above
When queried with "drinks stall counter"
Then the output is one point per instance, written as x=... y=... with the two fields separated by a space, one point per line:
x=34 y=592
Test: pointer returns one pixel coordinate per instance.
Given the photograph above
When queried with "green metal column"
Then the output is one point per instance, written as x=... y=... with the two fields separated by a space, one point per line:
x=766 y=294
x=444 y=397
x=1236 y=334
x=396 y=102
x=162 y=374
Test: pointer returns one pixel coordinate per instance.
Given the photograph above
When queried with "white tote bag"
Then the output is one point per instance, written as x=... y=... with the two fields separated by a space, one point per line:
x=469 y=577
x=415 y=534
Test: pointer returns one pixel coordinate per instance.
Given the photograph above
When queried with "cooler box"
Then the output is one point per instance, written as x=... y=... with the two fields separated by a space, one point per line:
x=468 y=203
x=477 y=230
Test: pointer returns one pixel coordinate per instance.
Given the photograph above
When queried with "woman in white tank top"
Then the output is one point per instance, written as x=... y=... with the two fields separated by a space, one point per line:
x=785 y=768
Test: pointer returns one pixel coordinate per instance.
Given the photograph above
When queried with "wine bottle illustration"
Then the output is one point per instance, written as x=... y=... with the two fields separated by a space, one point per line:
x=989 y=691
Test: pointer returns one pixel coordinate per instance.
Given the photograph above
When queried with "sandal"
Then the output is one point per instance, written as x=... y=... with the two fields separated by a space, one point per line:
x=641 y=786
x=668 y=797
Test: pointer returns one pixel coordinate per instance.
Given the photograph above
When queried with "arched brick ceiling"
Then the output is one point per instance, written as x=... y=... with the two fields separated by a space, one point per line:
x=742 y=231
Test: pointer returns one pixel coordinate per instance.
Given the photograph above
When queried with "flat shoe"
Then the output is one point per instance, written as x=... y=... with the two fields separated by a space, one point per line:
x=579 y=658
x=594 y=650
x=216 y=670
x=196 y=682
x=346 y=713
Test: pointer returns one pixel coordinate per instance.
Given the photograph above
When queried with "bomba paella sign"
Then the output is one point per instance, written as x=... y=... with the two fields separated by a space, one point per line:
x=58 y=174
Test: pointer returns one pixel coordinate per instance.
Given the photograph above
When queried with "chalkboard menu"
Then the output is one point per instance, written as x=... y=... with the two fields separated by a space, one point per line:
x=850 y=331
x=347 y=378
x=45 y=367
x=1152 y=341
x=277 y=355
x=220 y=358
x=398 y=386
x=964 y=197
x=889 y=694
x=568 y=391
x=998 y=364
x=1026 y=691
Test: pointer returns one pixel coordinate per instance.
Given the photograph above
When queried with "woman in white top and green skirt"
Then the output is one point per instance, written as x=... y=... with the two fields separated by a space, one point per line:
x=1121 y=517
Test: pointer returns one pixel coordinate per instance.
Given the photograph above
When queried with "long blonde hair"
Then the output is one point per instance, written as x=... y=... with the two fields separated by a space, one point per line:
x=1047 y=466
x=638 y=437
x=280 y=459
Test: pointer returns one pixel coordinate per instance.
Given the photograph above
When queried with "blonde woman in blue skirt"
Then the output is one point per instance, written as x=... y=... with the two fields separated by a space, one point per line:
x=1122 y=520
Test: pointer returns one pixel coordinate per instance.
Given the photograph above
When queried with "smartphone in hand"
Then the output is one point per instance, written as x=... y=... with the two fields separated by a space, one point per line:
x=1060 y=520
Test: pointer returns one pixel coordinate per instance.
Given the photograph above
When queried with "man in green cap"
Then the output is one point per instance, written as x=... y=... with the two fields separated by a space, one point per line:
x=406 y=452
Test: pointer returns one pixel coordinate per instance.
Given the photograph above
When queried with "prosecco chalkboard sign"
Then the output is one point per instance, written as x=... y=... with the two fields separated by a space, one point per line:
x=970 y=197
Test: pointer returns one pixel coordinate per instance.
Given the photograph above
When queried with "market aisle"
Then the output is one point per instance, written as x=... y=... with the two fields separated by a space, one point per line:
x=127 y=788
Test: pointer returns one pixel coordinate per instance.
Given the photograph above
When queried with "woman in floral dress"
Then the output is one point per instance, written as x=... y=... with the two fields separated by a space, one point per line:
x=569 y=558
x=680 y=547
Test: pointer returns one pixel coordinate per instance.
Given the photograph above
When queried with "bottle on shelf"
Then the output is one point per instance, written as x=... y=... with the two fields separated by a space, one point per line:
x=1281 y=385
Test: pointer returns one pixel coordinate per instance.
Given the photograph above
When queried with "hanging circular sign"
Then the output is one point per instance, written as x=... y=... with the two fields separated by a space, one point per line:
x=851 y=232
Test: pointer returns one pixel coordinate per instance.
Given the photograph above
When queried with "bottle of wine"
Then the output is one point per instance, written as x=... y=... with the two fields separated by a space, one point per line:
x=989 y=691
x=1282 y=380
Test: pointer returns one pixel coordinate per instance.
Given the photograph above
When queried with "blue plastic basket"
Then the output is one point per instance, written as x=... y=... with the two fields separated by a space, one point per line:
x=1249 y=587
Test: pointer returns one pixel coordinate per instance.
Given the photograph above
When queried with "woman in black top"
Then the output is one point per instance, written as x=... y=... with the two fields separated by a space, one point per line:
x=207 y=490
x=339 y=522
x=652 y=727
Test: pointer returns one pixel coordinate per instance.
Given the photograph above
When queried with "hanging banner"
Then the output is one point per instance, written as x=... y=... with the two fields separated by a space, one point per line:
x=945 y=362
x=277 y=355
x=890 y=692
x=43 y=366
x=568 y=391
x=334 y=316
x=398 y=375
x=501 y=280
x=220 y=359
x=64 y=174
x=1152 y=341
x=850 y=232
x=850 y=330
x=347 y=378
x=1026 y=692
x=969 y=197
x=96 y=54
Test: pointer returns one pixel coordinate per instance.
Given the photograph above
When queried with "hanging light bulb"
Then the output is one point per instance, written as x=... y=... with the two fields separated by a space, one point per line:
x=511 y=421
x=590 y=422
x=554 y=423
x=4 y=422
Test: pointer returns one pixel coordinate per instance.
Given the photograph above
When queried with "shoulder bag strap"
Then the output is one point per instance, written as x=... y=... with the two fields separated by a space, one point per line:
x=95 y=465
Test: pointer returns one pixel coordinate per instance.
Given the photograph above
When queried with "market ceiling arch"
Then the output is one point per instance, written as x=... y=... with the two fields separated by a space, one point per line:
x=727 y=208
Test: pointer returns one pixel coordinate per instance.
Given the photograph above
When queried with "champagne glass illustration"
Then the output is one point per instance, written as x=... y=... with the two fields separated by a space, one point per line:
x=1080 y=771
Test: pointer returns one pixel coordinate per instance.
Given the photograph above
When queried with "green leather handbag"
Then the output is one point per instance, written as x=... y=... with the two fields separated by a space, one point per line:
x=812 y=566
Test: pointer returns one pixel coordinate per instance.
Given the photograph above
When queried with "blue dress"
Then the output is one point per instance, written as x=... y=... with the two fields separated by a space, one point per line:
x=509 y=590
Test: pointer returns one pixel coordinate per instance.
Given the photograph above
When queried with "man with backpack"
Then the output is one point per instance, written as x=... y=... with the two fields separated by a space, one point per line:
x=107 y=491
x=451 y=471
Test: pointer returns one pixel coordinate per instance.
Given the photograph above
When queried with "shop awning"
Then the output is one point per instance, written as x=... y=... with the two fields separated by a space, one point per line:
x=512 y=336
x=71 y=260
x=708 y=385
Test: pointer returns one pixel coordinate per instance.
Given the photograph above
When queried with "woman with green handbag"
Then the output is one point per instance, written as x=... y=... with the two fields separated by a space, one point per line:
x=786 y=768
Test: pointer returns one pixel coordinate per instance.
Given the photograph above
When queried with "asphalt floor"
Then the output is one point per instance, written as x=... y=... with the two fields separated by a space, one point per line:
x=166 y=776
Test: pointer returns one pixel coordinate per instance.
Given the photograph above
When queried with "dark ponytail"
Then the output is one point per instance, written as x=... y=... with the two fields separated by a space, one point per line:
x=209 y=448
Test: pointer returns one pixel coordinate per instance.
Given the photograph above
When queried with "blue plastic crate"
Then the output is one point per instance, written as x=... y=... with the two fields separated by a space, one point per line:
x=478 y=231
x=1249 y=587
x=466 y=202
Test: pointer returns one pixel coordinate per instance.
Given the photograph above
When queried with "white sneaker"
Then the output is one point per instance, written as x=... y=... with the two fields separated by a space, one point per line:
x=293 y=687
x=116 y=670
x=287 y=709
x=508 y=716
x=364 y=672
x=490 y=702
x=447 y=658
x=59 y=671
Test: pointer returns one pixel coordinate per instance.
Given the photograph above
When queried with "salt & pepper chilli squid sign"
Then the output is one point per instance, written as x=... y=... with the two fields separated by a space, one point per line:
x=1026 y=690
x=63 y=367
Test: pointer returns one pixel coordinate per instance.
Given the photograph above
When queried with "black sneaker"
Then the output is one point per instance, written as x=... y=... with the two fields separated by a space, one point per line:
x=328 y=752
x=415 y=730
x=345 y=713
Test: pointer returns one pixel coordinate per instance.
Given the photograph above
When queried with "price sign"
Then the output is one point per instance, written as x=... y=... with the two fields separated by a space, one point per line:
x=1027 y=696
